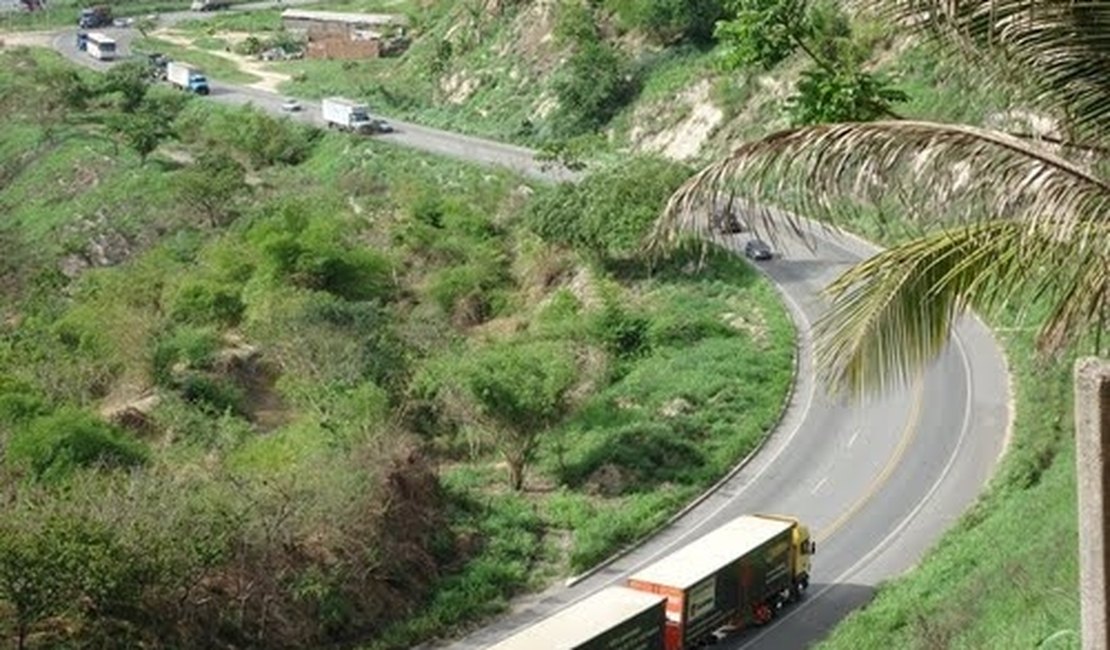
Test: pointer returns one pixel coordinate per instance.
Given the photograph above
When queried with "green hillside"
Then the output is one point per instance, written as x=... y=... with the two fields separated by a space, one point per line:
x=265 y=387
x=365 y=280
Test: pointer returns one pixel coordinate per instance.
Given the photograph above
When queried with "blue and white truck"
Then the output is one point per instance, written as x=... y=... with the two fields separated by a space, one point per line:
x=186 y=77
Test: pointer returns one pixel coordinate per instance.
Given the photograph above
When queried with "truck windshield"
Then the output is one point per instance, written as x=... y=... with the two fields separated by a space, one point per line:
x=360 y=116
x=198 y=79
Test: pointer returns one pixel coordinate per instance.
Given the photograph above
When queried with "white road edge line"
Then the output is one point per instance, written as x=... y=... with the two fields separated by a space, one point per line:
x=818 y=486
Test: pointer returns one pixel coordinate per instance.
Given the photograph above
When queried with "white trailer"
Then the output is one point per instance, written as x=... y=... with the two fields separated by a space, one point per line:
x=346 y=114
x=186 y=77
x=101 y=47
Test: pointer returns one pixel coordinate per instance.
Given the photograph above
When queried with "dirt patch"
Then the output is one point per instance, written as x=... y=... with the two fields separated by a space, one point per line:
x=458 y=87
x=684 y=140
x=26 y=39
x=268 y=79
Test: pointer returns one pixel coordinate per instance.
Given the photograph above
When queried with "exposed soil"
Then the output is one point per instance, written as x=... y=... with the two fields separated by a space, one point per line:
x=268 y=79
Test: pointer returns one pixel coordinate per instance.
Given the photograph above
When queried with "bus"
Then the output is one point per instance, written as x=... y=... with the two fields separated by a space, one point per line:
x=100 y=47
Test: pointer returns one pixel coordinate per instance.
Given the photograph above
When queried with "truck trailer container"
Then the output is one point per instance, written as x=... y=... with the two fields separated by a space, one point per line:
x=346 y=114
x=186 y=77
x=616 y=618
x=738 y=575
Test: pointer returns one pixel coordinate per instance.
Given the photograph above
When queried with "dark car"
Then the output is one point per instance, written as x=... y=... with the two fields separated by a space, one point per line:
x=758 y=250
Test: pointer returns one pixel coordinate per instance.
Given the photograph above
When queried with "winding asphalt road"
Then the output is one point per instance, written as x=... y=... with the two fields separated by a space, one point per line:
x=878 y=480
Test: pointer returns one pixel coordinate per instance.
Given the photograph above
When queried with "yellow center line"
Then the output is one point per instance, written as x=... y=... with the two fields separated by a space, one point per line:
x=908 y=435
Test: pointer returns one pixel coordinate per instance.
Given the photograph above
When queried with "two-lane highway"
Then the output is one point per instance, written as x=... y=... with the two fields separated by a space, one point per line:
x=878 y=480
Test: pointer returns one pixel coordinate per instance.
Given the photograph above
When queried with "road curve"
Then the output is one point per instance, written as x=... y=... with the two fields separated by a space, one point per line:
x=878 y=480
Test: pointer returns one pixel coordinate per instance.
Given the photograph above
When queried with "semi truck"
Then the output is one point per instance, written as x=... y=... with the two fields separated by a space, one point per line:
x=93 y=17
x=736 y=576
x=349 y=115
x=186 y=77
x=616 y=618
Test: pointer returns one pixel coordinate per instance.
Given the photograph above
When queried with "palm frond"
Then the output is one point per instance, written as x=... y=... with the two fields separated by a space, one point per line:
x=1062 y=47
x=935 y=173
x=892 y=314
x=1018 y=218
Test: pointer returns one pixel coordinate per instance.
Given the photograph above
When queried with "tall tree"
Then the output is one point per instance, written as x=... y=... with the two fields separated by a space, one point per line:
x=520 y=390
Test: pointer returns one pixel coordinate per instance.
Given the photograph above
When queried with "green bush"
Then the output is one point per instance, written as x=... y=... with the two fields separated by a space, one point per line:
x=762 y=32
x=257 y=136
x=610 y=213
x=206 y=303
x=210 y=393
x=623 y=333
x=313 y=253
x=671 y=20
x=841 y=94
x=646 y=453
x=19 y=402
x=53 y=446
x=594 y=84
x=468 y=292
x=193 y=346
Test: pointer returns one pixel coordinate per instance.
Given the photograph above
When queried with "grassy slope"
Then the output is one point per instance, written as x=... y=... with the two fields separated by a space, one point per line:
x=729 y=379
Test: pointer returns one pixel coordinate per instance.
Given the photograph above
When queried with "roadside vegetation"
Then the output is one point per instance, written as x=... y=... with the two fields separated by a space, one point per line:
x=502 y=69
x=267 y=387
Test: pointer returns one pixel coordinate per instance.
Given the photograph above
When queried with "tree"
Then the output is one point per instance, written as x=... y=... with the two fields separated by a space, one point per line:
x=672 y=20
x=609 y=213
x=211 y=185
x=130 y=80
x=520 y=390
x=835 y=87
x=595 y=81
x=762 y=32
x=139 y=132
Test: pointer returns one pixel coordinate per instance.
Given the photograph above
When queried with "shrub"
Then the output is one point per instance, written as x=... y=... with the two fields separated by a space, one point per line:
x=192 y=345
x=207 y=303
x=52 y=446
x=465 y=291
x=19 y=402
x=210 y=393
x=593 y=85
x=609 y=214
x=842 y=94
x=316 y=257
x=762 y=32
x=624 y=334
x=671 y=20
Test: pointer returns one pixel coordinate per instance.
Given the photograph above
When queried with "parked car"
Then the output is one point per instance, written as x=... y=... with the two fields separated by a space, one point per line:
x=758 y=250
x=290 y=105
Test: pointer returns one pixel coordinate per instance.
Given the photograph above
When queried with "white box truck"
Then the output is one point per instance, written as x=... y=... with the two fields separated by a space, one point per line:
x=349 y=115
x=186 y=77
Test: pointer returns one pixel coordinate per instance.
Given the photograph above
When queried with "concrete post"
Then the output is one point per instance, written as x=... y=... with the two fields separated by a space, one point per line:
x=1092 y=438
